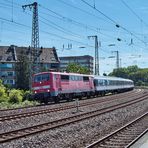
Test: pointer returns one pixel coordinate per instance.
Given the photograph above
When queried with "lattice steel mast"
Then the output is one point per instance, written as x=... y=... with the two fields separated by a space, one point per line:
x=35 y=57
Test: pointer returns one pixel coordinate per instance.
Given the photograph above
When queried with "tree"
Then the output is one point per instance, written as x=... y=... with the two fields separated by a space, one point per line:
x=120 y=72
x=138 y=75
x=75 y=68
x=133 y=68
x=22 y=71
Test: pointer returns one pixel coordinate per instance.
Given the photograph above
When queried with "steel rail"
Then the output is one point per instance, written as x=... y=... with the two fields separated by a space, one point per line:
x=36 y=106
x=125 y=136
x=45 y=111
x=8 y=136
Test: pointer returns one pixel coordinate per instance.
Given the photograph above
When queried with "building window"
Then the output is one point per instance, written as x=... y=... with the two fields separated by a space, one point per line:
x=10 y=73
x=54 y=65
x=9 y=81
x=6 y=65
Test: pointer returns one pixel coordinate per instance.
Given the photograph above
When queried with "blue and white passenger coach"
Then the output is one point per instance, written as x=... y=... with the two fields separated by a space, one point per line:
x=105 y=84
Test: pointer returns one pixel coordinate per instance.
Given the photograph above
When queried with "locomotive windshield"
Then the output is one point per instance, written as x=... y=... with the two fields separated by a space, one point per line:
x=41 y=78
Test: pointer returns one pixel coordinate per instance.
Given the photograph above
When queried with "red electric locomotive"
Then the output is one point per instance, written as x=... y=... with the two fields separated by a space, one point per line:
x=55 y=86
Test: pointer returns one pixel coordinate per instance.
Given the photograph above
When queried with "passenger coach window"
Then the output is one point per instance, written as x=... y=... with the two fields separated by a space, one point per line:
x=85 y=78
x=64 y=77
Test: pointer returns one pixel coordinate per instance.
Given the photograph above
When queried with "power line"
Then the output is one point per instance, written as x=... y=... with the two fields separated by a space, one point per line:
x=53 y=26
x=49 y=33
x=84 y=11
x=14 y=22
x=72 y=21
x=134 y=12
x=57 y=27
x=98 y=30
x=113 y=21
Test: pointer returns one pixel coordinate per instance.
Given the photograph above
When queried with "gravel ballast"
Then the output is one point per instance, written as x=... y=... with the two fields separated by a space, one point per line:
x=82 y=133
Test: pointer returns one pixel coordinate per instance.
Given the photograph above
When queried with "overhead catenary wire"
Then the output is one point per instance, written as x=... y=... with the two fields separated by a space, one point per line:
x=82 y=10
x=93 y=28
x=16 y=23
x=141 y=20
x=98 y=30
x=113 y=21
x=62 y=29
x=61 y=36
x=54 y=25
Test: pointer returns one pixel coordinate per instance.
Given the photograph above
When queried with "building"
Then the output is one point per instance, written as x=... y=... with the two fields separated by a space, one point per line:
x=9 y=58
x=85 y=61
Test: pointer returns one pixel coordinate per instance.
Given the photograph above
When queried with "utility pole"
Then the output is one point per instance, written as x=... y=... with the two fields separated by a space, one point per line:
x=96 y=54
x=117 y=58
x=34 y=50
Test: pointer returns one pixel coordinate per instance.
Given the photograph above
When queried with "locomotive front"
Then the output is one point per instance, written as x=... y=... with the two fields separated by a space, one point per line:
x=41 y=86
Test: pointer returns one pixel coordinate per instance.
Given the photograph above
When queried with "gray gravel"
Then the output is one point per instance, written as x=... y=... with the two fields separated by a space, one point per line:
x=42 y=118
x=51 y=105
x=79 y=134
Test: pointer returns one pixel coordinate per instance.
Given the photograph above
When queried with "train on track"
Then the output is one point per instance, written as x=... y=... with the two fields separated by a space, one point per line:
x=56 y=86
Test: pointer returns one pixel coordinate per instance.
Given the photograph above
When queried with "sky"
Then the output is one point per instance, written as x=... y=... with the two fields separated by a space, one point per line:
x=66 y=25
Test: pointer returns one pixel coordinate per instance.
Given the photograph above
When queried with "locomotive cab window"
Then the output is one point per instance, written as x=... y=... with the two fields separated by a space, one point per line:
x=37 y=78
x=40 y=78
x=45 y=77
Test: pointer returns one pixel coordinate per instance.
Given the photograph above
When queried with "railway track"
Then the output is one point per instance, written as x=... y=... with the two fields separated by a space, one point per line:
x=41 y=105
x=45 y=111
x=8 y=136
x=124 y=137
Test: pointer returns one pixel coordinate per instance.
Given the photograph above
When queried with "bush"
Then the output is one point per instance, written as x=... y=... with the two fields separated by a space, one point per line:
x=29 y=103
x=27 y=95
x=15 y=96
x=3 y=95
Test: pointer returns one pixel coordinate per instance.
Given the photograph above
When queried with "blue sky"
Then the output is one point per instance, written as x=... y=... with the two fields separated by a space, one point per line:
x=70 y=22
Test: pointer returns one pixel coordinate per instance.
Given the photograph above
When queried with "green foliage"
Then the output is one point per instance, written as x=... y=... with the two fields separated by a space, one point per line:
x=27 y=95
x=4 y=105
x=29 y=103
x=15 y=96
x=121 y=72
x=138 y=75
x=75 y=68
x=3 y=93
